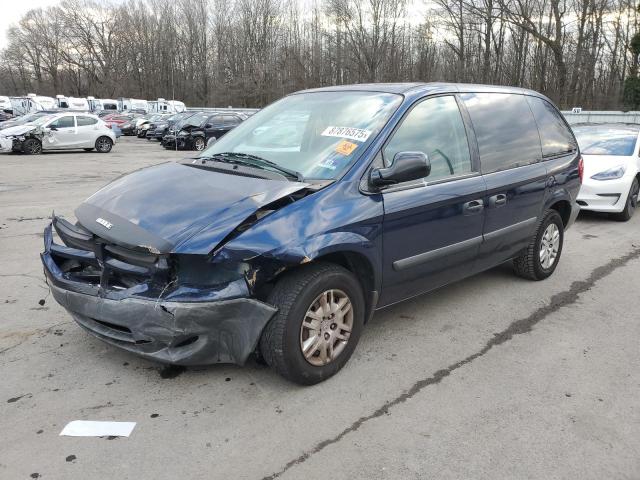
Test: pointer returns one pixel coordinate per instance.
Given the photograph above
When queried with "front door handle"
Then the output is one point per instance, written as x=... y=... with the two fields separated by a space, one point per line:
x=473 y=207
x=497 y=200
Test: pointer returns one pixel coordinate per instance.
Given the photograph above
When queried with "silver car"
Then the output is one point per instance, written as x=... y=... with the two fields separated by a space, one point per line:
x=59 y=131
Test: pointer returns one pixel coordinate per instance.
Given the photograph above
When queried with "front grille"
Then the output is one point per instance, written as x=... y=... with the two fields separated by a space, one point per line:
x=90 y=259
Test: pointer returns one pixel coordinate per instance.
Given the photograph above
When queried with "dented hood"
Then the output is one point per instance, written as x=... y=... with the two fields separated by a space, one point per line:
x=163 y=207
x=17 y=130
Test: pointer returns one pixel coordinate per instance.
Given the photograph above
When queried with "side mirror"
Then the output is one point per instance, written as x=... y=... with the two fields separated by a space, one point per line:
x=208 y=125
x=53 y=128
x=406 y=166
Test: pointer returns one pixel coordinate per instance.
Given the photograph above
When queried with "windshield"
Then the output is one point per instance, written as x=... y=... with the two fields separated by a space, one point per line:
x=319 y=134
x=42 y=120
x=602 y=140
x=193 y=121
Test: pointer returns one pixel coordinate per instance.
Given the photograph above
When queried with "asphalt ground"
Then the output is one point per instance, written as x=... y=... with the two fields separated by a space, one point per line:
x=493 y=377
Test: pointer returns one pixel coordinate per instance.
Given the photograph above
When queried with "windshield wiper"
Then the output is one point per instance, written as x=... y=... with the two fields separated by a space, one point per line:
x=254 y=161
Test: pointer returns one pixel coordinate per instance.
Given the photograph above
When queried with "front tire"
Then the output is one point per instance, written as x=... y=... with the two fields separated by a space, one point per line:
x=631 y=204
x=31 y=146
x=318 y=324
x=104 y=144
x=199 y=144
x=542 y=255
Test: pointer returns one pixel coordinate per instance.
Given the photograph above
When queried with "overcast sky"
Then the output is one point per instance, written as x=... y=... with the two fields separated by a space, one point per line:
x=12 y=10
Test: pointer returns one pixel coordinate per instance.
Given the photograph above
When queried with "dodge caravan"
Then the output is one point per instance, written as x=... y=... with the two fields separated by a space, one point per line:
x=284 y=237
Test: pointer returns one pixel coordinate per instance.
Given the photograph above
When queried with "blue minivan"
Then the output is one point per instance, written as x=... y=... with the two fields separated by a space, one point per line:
x=283 y=238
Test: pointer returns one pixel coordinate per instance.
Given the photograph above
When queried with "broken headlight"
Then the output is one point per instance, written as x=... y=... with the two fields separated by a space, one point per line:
x=198 y=270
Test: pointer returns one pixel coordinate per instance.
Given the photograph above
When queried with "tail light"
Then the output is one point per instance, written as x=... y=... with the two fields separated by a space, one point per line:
x=581 y=168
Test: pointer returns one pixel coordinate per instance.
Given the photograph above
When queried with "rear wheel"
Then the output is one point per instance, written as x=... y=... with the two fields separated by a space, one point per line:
x=318 y=323
x=31 y=146
x=542 y=255
x=104 y=144
x=632 y=203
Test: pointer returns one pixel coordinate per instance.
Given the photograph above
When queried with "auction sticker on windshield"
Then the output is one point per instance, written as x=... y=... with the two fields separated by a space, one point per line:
x=346 y=148
x=347 y=132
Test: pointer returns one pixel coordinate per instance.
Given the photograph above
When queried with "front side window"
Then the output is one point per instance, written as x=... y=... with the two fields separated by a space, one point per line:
x=505 y=129
x=435 y=128
x=317 y=134
x=63 y=122
x=606 y=140
x=555 y=136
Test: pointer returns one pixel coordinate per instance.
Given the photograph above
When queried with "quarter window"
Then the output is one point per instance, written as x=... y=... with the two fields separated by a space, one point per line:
x=435 y=128
x=86 y=121
x=505 y=129
x=555 y=136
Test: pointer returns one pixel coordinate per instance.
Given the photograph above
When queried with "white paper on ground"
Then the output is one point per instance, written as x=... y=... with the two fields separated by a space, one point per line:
x=85 y=428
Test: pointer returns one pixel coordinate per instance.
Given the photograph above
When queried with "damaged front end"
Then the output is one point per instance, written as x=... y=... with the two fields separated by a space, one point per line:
x=168 y=307
x=12 y=139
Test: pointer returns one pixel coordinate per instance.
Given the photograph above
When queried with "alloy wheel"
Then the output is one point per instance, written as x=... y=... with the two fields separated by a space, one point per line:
x=104 y=144
x=326 y=327
x=199 y=144
x=549 y=246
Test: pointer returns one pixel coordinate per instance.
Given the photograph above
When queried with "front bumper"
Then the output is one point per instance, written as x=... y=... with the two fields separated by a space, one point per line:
x=6 y=144
x=604 y=196
x=169 y=142
x=224 y=330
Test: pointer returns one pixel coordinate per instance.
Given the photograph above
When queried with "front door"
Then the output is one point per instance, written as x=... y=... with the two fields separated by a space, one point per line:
x=62 y=133
x=432 y=228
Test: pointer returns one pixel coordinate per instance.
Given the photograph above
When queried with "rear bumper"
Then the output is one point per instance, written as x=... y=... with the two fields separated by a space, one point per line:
x=181 y=333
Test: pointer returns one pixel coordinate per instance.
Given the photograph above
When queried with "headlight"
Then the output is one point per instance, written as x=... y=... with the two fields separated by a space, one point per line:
x=145 y=127
x=610 y=174
x=21 y=139
x=183 y=133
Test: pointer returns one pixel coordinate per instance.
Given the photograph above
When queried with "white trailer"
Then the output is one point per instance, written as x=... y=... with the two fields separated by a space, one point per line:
x=72 y=103
x=100 y=104
x=32 y=103
x=167 y=106
x=126 y=104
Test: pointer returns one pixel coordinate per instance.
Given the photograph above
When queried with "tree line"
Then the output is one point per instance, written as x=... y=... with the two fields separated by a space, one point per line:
x=247 y=53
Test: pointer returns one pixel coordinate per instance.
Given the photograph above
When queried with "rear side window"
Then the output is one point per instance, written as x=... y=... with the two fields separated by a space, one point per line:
x=433 y=127
x=505 y=129
x=86 y=121
x=555 y=136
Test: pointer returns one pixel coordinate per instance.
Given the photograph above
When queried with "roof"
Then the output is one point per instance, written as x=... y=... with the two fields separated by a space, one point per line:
x=425 y=88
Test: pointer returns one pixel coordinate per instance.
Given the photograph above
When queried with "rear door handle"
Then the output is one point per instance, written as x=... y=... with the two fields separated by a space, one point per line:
x=498 y=200
x=473 y=207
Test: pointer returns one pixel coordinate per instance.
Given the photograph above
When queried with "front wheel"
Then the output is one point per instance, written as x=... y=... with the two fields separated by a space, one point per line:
x=318 y=324
x=199 y=144
x=31 y=146
x=542 y=255
x=632 y=203
x=104 y=144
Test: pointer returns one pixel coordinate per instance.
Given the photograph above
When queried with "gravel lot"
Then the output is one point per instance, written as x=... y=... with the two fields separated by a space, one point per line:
x=494 y=377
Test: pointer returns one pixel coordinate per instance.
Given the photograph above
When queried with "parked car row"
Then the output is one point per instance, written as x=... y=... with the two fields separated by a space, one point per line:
x=190 y=130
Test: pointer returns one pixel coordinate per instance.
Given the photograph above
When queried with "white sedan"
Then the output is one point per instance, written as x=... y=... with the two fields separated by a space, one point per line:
x=59 y=131
x=611 y=168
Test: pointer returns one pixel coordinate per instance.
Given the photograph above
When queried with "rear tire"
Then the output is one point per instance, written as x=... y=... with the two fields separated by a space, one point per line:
x=31 y=146
x=542 y=255
x=315 y=289
x=632 y=202
x=104 y=144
